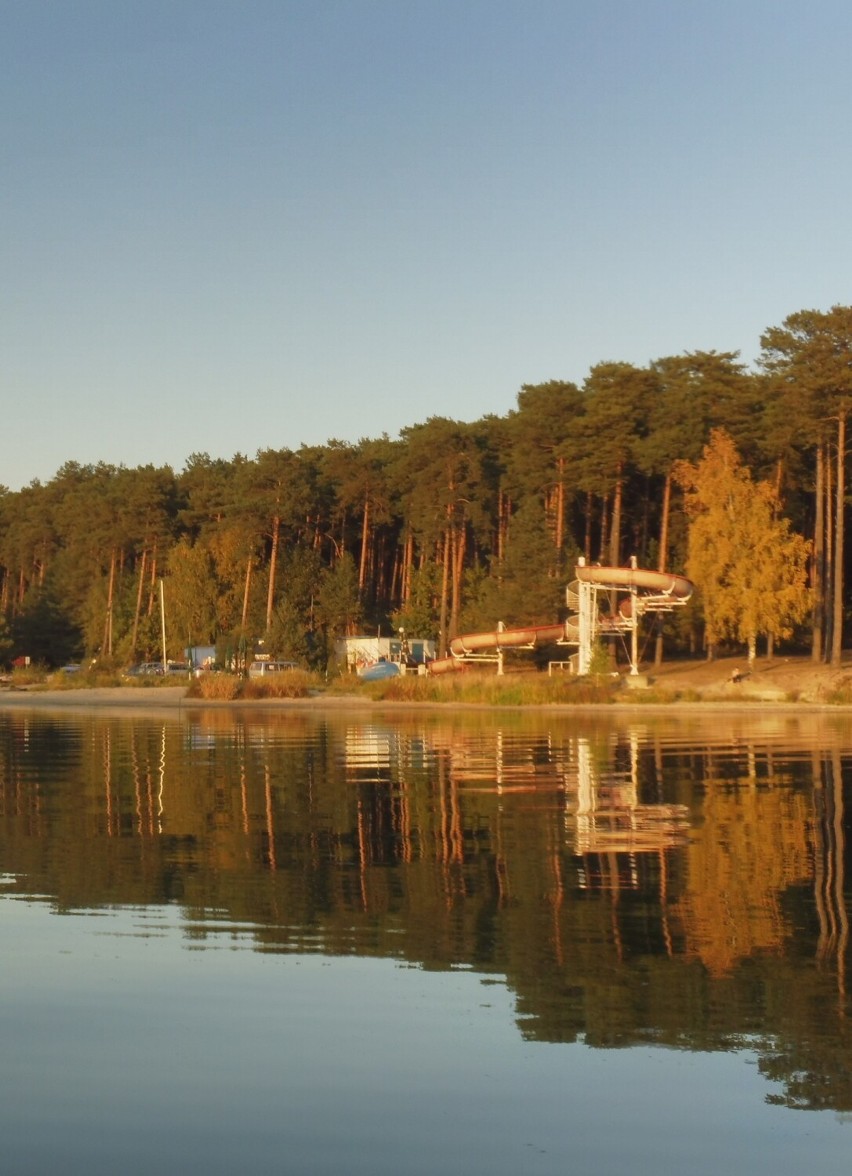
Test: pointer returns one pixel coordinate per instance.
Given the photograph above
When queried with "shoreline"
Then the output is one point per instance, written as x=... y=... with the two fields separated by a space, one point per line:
x=793 y=685
x=174 y=699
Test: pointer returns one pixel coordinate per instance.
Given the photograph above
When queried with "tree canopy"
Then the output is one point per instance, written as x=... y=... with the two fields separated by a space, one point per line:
x=451 y=524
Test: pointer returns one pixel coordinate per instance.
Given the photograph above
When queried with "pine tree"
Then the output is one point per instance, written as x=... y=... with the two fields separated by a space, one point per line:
x=810 y=357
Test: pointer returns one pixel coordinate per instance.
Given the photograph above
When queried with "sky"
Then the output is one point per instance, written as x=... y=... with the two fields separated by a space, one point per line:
x=232 y=225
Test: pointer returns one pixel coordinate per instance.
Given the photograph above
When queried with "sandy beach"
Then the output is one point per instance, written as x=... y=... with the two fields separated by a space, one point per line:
x=165 y=698
x=168 y=698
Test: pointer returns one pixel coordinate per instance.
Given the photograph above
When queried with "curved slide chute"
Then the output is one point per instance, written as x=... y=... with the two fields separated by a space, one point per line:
x=642 y=580
x=471 y=644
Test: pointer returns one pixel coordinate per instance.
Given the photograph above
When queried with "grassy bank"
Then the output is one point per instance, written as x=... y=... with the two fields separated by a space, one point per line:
x=485 y=688
x=787 y=680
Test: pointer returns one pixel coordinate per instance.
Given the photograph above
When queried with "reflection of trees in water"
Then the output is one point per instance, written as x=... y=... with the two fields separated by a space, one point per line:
x=810 y=1050
x=756 y=843
x=630 y=887
x=829 y=867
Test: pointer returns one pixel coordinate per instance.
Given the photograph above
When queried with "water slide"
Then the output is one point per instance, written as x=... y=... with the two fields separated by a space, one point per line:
x=665 y=585
x=525 y=638
x=656 y=589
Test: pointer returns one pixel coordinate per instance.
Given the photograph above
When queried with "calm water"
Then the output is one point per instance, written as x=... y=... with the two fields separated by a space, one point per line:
x=326 y=944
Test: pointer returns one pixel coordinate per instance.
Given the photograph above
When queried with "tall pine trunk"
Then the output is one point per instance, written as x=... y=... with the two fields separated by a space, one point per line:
x=107 y=641
x=246 y=593
x=273 y=563
x=604 y=535
x=615 y=533
x=663 y=556
x=140 y=589
x=152 y=581
x=818 y=565
x=837 y=617
x=408 y=565
x=365 y=547
x=828 y=591
x=457 y=563
x=560 y=508
x=445 y=572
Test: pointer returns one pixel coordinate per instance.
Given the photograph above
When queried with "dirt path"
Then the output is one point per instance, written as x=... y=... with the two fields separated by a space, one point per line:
x=779 y=679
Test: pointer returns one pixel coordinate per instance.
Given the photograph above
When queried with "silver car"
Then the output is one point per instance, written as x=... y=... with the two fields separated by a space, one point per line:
x=260 y=669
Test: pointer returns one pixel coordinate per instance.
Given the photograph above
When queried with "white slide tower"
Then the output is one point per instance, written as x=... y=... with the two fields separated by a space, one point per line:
x=630 y=593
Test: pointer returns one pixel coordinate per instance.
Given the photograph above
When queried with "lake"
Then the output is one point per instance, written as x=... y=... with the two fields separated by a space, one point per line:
x=417 y=942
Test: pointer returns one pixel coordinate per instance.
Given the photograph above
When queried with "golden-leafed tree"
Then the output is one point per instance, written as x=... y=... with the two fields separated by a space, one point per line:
x=750 y=567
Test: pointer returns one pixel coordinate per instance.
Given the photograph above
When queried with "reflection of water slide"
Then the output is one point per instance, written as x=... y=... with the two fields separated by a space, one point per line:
x=642 y=591
x=609 y=817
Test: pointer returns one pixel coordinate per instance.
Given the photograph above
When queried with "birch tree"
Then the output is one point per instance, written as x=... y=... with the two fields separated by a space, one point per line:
x=749 y=566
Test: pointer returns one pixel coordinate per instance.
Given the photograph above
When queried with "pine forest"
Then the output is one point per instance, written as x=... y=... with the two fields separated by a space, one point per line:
x=694 y=463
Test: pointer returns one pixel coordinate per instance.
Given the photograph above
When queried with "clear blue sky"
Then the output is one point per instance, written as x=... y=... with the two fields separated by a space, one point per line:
x=235 y=224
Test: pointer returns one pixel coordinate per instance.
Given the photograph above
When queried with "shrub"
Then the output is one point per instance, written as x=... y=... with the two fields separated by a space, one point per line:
x=84 y=679
x=28 y=675
x=224 y=687
x=839 y=693
x=287 y=684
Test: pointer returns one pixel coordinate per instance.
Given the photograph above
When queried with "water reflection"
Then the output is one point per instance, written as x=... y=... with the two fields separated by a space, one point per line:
x=643 y=882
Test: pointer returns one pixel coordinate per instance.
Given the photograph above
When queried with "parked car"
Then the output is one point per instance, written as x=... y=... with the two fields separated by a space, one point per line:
x=144 y=670
x=260 y=669
x=379 y=669
x=155 y=669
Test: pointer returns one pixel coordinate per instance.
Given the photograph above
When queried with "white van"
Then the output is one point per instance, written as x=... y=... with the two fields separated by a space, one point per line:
x=259 y=669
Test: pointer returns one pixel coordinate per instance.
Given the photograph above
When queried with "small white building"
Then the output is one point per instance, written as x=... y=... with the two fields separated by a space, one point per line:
x=359 y=652
x=200 y=657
